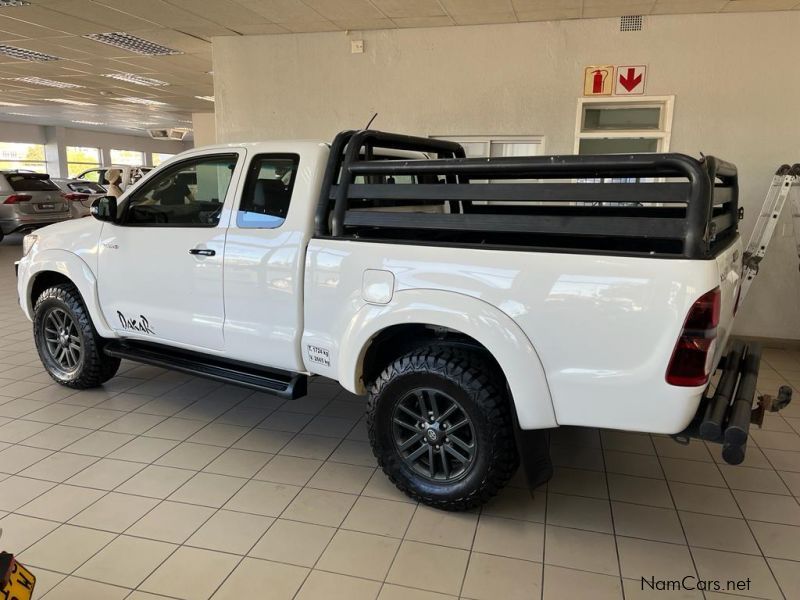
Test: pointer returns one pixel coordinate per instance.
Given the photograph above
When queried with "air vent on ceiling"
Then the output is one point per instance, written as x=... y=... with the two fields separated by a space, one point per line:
x=167 y=134
x=4 y=3
x=126 y=41
x=630 y=23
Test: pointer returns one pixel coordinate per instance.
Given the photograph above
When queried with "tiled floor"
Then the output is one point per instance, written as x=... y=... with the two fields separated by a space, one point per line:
x=162 y=485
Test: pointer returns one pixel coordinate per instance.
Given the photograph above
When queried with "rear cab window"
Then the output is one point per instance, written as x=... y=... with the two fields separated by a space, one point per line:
x=268 y=191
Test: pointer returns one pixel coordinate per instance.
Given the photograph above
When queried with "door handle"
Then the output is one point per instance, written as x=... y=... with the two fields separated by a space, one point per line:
x=202 y=252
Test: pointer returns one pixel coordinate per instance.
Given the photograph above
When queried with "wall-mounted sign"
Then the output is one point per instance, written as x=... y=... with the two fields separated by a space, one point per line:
x=605 y=80
x=629 y=80
x=598 y=80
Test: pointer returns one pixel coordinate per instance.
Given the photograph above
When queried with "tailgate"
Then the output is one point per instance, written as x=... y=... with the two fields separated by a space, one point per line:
x=729 y=266
x=42 y=202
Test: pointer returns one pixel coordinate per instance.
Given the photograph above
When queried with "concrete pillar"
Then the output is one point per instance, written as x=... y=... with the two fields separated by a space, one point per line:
x=55 y=151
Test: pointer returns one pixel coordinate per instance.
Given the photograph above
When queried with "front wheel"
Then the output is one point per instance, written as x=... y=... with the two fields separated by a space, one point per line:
x=441 y=428
x=69 y=347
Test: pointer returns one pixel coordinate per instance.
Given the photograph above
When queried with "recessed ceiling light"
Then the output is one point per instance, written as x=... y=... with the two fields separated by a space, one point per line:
x=46 y=82
x=88 y=122
x=126 y=41
x=25 y=54
x=145 y=101
x=70 y=101
x=4 y=3
x=137 y=79
x=207 y=98
x=4 y=103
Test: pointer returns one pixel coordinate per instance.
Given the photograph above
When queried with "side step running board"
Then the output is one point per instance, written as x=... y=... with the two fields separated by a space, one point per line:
x=284 y=384
x=726 y=412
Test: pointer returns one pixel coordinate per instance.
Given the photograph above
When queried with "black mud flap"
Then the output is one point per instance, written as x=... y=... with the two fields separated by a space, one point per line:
x=726 y=411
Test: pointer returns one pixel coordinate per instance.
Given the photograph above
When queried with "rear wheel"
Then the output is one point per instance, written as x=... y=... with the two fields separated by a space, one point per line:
x=69 y=347
x=441 y=428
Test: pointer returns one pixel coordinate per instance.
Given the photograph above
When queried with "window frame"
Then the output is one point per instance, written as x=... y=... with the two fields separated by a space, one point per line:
x=16 y=164
x=85 y=166
x=124 y=210
x=141 y=154
x=663 y=134
x=251 y=178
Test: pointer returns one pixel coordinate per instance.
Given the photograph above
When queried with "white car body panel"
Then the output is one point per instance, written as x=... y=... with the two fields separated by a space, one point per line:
x=264 y=270
x=583 y=339
x=151 y=288
x=603 y=328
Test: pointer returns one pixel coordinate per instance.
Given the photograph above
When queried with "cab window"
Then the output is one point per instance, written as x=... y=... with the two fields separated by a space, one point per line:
x=268 y=191
x=189 y=194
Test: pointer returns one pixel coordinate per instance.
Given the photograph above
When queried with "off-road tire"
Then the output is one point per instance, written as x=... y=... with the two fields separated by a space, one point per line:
x=94 y=368
x=475 y=384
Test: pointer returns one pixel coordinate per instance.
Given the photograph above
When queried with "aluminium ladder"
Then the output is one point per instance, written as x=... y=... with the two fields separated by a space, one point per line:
x=785 y=178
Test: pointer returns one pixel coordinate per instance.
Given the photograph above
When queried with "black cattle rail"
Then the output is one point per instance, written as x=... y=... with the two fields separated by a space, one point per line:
x=687 y=209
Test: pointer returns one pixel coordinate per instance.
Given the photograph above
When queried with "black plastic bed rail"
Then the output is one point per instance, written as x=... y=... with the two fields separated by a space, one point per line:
x=668 y=205
x=726 y=410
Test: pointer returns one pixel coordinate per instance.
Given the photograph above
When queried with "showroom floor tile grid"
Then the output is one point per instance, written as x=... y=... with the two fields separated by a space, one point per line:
x=160 y=485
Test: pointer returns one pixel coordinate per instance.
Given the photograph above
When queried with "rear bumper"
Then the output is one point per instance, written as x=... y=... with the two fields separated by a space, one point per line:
x=726 y=410
x=22 y=223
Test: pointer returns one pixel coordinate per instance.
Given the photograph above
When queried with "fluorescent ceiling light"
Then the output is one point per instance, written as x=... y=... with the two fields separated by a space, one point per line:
x=145 y=101
x=137 y=79
x=126 y=41
x=16 y=114
x=69 y=101
x=207 y=98
x=88 y=122
x=4 y=103
x=25 y=54
x=46 y=82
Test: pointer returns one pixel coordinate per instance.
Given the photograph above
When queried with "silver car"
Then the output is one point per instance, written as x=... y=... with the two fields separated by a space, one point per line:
x=29 y=201
x=80 y=193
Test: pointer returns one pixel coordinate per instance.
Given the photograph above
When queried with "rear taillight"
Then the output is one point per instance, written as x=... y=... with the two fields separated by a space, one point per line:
x=15 y=198
x=75 y=197
x=690 y=365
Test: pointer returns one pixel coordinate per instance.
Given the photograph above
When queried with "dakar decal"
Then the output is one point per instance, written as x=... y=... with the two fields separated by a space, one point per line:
x=319 y=356
x=142 y=325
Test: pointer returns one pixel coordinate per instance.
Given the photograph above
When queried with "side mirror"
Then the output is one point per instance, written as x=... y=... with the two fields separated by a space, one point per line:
x=105 y=209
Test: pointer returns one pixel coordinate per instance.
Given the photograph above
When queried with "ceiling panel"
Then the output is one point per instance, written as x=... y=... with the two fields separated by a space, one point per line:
x=409 y=8
x=483 y=18
x=345 y=9
x=22 y=28
x=460 y=7
x=282 y=11
x=109 y=19
x=435 y=21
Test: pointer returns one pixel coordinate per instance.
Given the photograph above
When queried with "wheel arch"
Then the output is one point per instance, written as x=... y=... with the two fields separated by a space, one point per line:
x=53 y=267
x=378 y=334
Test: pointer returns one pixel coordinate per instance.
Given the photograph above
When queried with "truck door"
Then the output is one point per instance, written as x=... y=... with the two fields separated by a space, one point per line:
x=160 y=264
x=264 y=256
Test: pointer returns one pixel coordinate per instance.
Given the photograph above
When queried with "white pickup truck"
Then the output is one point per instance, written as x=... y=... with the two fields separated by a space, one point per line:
x=472 y=299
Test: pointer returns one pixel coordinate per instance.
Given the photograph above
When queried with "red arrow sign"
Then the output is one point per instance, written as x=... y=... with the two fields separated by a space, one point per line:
x=631 y=80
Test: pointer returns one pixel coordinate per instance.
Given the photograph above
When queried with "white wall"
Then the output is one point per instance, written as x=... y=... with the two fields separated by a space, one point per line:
x=205 y=132
x=733 y=76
